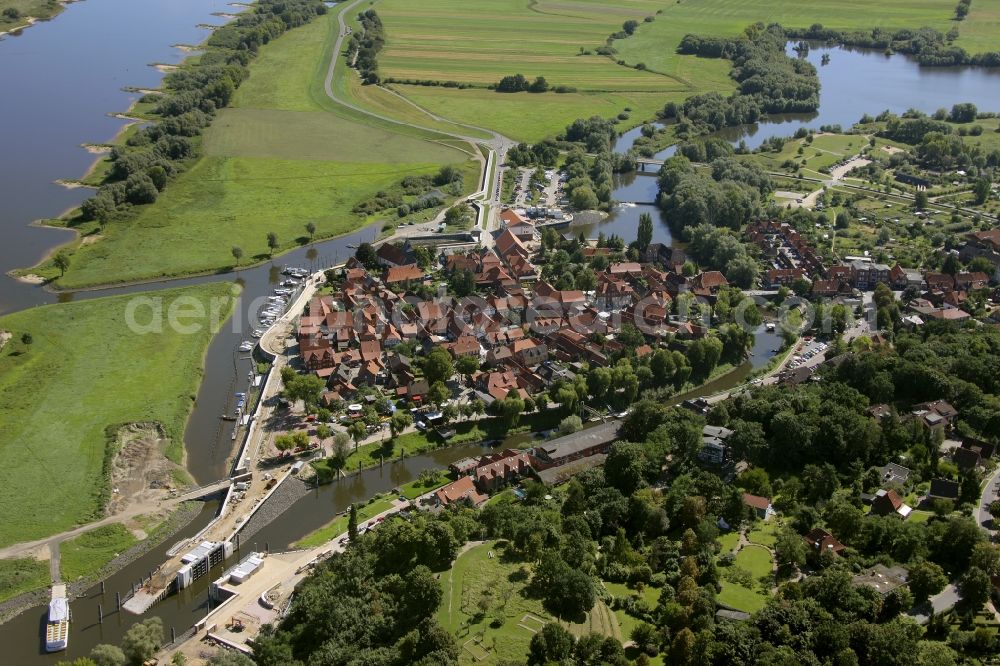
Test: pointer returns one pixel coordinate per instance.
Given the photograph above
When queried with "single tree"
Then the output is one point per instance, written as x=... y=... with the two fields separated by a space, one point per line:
x=926 y=579
x=645 y=235
x=142 y=641
x=974 y=587
x=107 y=655
x=61 y=261
x=324 y=432
x=438 y=367
x=399 y=422
x=981 y=190
x=237 y=254
x=352 y=524
x=358 y=432
x=467 y=366
x=27 y=339
x=272 y=242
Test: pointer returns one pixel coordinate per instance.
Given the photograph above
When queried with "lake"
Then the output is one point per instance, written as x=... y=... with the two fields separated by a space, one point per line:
x=855 y=82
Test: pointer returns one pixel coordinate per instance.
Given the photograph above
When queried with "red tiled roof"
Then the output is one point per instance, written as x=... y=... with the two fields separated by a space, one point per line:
x=756 y=501
x=403 y=273
x=460 y=490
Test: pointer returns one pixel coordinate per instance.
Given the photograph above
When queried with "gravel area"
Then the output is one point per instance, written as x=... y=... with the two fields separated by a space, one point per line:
x=288 y=493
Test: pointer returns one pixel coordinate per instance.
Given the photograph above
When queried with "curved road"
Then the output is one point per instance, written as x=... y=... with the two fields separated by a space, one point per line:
x=498 y=146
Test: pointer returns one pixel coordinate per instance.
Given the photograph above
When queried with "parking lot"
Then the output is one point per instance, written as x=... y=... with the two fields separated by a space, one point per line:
x=811 y=354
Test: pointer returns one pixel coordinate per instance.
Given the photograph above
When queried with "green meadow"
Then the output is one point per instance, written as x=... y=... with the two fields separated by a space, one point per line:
x=84 y=372
x=279 y=158
x=654 y=43
x=531 y=117
x=85 y=555
x=479 y=43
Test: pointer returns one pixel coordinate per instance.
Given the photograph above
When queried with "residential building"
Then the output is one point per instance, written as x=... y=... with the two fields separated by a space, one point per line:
x=569 y=448
x=761 y=506
x=819 y=541
x=461 y=491
x=889 y=503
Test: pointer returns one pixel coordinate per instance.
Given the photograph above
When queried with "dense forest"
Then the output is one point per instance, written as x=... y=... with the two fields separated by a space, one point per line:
x=769 y=81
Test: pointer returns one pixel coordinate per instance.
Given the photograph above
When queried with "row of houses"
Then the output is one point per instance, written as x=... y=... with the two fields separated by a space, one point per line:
x=551 y=461
x=794 y=259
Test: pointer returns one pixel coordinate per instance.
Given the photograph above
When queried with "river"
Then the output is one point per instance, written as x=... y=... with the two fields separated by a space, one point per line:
x=858 y=81
x=61 y=78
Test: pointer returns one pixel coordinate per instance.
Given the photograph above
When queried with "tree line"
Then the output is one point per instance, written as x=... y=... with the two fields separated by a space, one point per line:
x=928 y=46
x=142 y=167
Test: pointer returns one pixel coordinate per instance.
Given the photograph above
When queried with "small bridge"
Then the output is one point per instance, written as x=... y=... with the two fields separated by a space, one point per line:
x=210 y=489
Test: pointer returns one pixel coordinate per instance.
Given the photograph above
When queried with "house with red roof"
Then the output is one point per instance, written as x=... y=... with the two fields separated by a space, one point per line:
x=400 y=274
x=462 y=491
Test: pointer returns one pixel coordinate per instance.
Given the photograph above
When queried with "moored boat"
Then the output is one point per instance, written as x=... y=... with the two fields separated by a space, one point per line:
x=57 y=626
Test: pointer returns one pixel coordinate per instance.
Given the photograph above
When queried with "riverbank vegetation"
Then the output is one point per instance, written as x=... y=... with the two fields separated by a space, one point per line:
x=17 y=14
x=69 y=379
x=18 y=576
x=278 y=147
x=85 y=555
x=653 y=43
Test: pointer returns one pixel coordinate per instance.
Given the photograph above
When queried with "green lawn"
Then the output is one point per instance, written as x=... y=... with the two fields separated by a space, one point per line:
x=763 y=532
x=740 y=597
x=654 y=43
x=338 y=525
x=530 y=117
x=476 y=581
x=824 y=151
x=88 y=553
x=20 y=576
x=728 y=541
x=283 y=155
x=755 y=559
x=415 y=489
x=227 y=201
x=85 y=372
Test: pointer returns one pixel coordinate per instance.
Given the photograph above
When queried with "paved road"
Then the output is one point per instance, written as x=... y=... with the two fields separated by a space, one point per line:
x=990 y=492
x=498 y=145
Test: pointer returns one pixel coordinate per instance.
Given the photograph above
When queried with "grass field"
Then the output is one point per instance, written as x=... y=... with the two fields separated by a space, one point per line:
x=763 y=532
x=223 y=202
x=83 y=373
x=654 y=43
x=531 y=117
x=757 y=561
x=39 y=9
x=22 y=575
x=499 y=583
x=338 y=525
x=88 y=553
x=481 y=42
x=279 y=158
x=824 y=151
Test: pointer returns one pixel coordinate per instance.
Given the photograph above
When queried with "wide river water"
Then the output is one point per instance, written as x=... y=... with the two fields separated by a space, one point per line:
x=62 y=78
